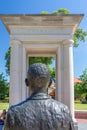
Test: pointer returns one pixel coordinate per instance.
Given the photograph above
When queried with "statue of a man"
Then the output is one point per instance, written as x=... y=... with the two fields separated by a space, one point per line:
x=39 y=111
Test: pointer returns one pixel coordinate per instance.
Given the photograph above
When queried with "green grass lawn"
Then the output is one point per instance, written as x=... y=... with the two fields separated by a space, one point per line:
x=79 y=106
x=4 y=106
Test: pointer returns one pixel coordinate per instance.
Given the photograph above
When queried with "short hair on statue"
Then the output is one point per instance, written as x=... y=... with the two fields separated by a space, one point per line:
x=38 y=76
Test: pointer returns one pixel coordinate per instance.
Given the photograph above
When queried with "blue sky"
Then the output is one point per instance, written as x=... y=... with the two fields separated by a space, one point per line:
x=36 y=7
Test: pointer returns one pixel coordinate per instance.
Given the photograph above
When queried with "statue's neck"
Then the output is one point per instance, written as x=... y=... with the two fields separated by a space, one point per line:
x=41 y=91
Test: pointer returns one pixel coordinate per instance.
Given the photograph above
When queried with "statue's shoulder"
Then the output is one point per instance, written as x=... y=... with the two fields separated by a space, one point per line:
x=14 y=112
x=60 y=106
x=17 y=107
x=62 y=112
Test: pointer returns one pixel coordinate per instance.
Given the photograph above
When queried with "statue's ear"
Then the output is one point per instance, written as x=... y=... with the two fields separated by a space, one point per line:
x=26 y=82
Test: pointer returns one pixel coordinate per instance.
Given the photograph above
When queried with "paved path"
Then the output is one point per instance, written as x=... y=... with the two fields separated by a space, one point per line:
x=82 y=124
x=82 y=120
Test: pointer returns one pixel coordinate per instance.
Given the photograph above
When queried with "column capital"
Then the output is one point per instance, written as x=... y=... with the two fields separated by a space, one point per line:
x=68 y=42
x=14 y=41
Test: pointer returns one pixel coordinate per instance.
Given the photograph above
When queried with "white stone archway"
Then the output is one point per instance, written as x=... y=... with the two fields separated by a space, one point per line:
x=42 y=35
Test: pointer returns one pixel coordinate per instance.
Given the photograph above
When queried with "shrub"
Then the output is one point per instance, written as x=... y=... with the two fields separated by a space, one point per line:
x=84 y=102
x=77 y=101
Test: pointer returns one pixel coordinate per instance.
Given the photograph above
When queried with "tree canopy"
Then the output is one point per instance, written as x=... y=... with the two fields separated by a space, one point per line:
x=62 y=11
x=79 y=35
x=7 y=59
x=4 y=89
x=78 y=90
x=81 y=88
x=83 y=77
x=45 y=60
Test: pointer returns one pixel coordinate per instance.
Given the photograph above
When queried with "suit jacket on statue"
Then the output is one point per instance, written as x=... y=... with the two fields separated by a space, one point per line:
x=39 y=112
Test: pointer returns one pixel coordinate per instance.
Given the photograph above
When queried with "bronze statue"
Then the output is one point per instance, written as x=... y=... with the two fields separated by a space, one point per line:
x=39 y=111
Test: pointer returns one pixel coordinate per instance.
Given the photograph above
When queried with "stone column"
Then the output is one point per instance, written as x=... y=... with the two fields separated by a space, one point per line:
x=15 y=72
x=68 y=77
x=59 y=70
x=24 y=74
x=28 y=92
x=18 y=72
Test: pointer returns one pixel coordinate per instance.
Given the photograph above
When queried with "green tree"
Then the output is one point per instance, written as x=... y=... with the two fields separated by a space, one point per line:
x=4 y=89
x=78 y=90
x=7 y=59
x=52 y=72
x=45 y=60
x=61 y=11
x=44 y=12
x=83 y=77
x=79 y=35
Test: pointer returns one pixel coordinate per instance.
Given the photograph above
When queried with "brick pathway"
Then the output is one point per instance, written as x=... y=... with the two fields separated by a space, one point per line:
x=82 y=120
x=81 y=114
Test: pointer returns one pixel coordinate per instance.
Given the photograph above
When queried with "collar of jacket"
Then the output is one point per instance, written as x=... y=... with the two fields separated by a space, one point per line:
x=39 y=96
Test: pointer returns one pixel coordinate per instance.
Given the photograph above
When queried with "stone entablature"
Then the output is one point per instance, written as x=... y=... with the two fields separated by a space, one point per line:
x=41 y=27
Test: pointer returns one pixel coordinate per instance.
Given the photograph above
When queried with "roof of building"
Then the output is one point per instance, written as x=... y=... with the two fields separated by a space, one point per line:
x=76 y=80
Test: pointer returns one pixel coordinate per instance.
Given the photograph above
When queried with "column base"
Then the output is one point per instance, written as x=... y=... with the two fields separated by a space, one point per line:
x=75 y=125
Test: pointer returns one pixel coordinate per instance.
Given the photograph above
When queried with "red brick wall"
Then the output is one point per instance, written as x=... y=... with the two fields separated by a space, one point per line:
x=81 y=114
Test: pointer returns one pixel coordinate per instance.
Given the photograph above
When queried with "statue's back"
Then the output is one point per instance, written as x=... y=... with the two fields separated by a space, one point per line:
x=41 y=113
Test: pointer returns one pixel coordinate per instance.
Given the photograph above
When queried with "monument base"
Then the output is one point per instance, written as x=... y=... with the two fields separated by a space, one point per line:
x=75 y=125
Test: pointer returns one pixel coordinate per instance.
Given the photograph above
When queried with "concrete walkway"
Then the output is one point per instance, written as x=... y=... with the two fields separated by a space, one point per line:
x=82 y=124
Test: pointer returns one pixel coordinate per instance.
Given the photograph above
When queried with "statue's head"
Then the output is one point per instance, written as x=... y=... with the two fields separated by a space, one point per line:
x=38 y=77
